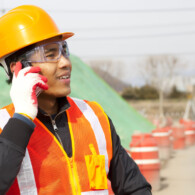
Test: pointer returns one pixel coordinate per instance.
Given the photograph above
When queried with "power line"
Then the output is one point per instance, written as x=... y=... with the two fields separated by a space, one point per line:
x=136 y=55
x=133 y=36
x=125 y=11
x=134 y=26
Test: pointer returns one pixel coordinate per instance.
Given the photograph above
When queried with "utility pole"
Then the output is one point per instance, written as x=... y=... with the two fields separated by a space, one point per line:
x=190 y=107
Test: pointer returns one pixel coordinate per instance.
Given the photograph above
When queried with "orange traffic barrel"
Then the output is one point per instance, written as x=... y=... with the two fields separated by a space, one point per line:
x=178 y=137
x=163 y=140
x=189 y=131
x=189 y=136
x=169 y=121
x=144 y=151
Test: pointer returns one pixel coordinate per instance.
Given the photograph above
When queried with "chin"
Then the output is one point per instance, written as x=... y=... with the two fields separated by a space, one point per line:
x=56 y=93
x=63 y=93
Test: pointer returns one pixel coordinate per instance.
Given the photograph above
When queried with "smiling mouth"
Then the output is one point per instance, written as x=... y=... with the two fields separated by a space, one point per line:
x=64 y=77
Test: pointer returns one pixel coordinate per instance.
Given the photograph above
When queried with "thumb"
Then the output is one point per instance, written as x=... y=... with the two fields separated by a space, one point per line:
x=17 y=68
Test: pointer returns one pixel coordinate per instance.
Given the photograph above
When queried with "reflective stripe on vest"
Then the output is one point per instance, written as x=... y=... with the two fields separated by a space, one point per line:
x=38 y=182
x=4 y=117
x=25 y=177
x=100 y=192
x=95 y=124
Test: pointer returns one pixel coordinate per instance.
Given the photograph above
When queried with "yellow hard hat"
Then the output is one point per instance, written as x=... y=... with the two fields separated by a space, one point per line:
x=26 y=25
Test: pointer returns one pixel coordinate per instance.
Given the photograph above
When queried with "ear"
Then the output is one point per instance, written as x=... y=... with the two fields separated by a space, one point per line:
x=12 y=66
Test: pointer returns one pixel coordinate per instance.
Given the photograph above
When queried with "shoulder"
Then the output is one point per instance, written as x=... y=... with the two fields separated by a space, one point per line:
x=5 y=114
x=7 y=109
x=84 y=104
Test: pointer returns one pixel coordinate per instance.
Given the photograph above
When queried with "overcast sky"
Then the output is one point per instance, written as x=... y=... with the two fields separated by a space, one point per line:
x=126 y=30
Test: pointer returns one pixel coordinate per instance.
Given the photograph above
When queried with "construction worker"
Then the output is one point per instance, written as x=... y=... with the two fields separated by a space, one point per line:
x=51 y=143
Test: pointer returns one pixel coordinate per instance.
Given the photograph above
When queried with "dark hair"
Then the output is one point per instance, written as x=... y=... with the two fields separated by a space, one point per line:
x=14 y=58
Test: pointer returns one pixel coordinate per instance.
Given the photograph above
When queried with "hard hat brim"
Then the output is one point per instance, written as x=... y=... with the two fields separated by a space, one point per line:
x=64 y=35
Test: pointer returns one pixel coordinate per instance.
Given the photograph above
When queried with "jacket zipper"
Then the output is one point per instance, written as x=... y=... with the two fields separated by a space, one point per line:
x=53 y=122
x=56 y=132
x=70 y=159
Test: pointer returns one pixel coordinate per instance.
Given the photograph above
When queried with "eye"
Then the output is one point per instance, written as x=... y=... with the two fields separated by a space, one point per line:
x=50 y=55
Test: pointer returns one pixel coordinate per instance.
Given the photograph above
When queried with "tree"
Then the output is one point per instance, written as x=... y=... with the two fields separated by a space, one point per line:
x=110 y=71
x=141 y=93
x=175 y=93
x=157 y=72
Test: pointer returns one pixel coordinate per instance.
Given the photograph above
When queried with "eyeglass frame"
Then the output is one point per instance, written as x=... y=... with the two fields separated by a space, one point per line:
x=61 y=52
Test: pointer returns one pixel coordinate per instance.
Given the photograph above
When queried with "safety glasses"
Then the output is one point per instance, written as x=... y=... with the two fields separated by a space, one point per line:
x=50 y=52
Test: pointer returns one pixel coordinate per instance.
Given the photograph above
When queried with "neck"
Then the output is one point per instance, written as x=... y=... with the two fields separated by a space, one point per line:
x=48 y=104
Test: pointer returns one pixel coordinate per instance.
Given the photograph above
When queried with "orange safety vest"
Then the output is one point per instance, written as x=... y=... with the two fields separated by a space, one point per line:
x=46 y=168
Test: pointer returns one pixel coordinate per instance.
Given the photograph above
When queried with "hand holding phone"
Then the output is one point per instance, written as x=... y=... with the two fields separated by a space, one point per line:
x=24 y=89
x=28 y=64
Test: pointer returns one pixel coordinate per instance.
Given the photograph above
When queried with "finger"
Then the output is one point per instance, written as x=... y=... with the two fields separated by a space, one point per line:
x=42 y=85
x=43 y=78
x=18 y=67
x=33 y=94
x=41 y=82
x=36 y=69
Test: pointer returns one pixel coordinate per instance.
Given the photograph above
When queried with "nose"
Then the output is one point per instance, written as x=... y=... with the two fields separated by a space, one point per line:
x=64 y=62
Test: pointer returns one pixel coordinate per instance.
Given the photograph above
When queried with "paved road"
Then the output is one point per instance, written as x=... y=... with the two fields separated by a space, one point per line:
x=178 y=176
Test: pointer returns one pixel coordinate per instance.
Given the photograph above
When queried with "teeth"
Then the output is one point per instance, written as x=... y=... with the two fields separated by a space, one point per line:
x=64 y=77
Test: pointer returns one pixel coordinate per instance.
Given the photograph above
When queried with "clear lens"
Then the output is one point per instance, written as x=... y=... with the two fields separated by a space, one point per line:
x=33 y=55
x=50 y=52
x=65 y=49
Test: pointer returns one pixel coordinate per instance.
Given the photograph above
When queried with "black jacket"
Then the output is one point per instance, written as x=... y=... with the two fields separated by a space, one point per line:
x=124 y=174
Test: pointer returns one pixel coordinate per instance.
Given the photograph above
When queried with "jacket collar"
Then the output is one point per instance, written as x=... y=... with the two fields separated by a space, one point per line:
x=63 y=106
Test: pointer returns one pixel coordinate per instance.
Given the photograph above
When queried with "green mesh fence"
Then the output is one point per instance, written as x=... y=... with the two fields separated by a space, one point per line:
x=85 y=84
